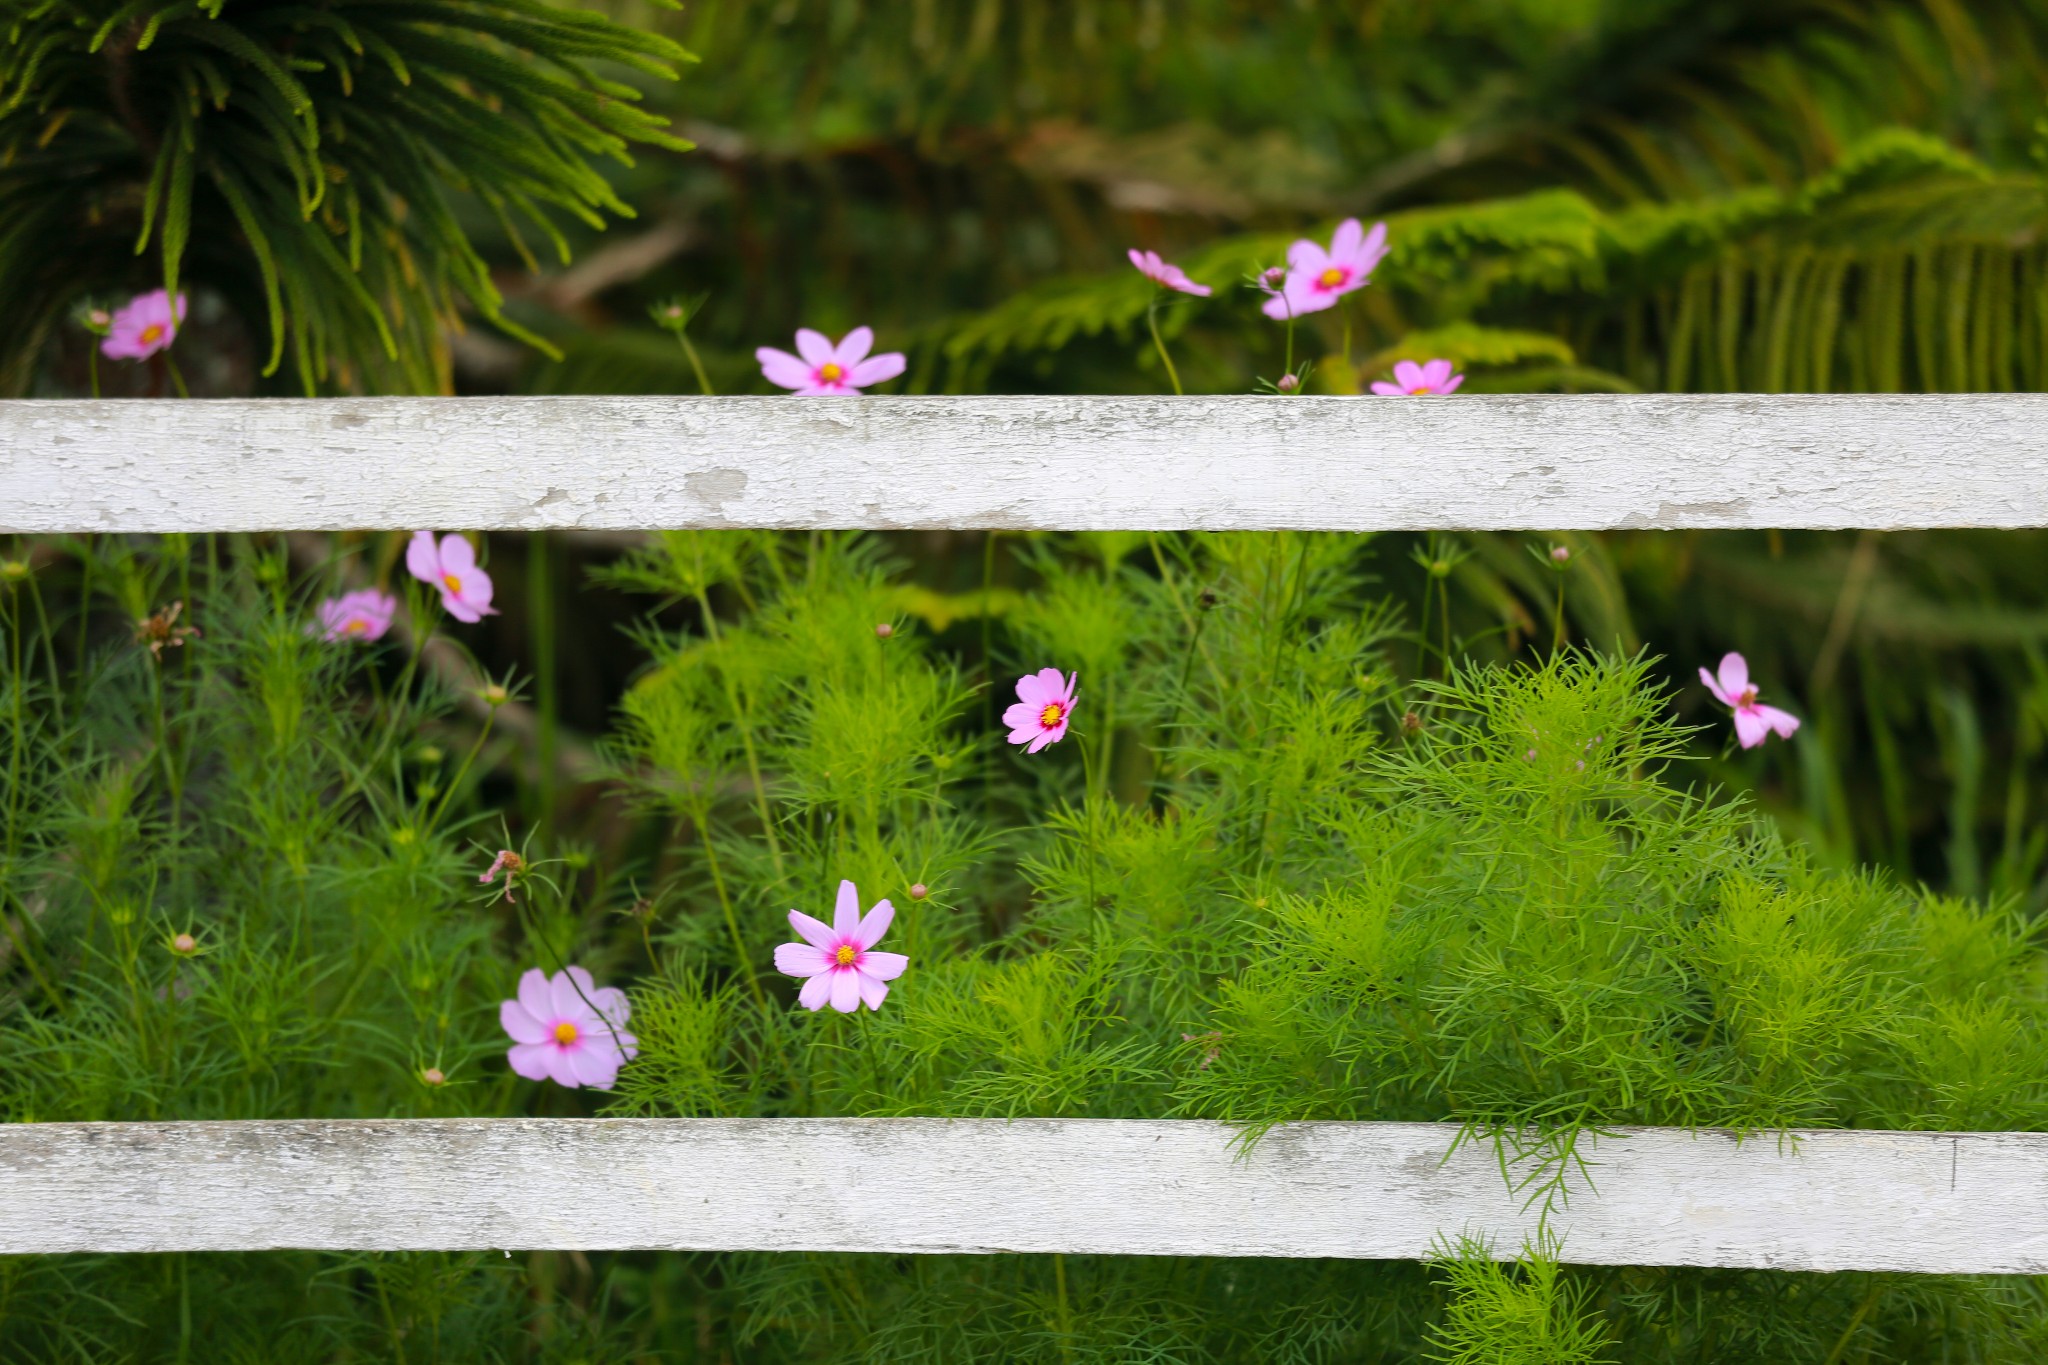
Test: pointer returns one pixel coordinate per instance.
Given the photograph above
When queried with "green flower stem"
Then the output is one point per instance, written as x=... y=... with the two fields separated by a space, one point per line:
x=1152 y=321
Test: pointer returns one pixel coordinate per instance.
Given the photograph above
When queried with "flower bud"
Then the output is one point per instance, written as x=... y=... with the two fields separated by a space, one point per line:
x=918 y=891
x=1560 y=555
x=1411 y=723
x=1273 y=276
x=184 y=945
x=883 y=630
x=495 y=695
x=13 y=570
x=1208 y=600
x=433 y=1076
x=1287 y=383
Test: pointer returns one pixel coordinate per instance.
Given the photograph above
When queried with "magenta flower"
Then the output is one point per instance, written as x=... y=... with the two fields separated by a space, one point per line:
x=1316 y=278
x=826 y=369
x=1166 y=273
x=1411 y=378
x=451 y=567
x=1753 y=722
x=564 y=1029
x=1044 y=705
x=840 y=962
x=145 y=326
x=363 y=615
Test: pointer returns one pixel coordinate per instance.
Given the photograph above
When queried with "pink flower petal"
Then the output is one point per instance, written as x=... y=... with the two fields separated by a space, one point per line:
x=459 y=609
x=801 y=959
x=883 y=966
x=530 y=1060
x=854 y=347
x=534 y=996
x=1734 y=676
x=596 y=1066
x=519 y=1024
x=1750 y=727
x=569 y=991
x=1408 y=375
x=1022 y=715
x=1024 y=734
x=562 y=1067
x=872 y=992
x=845 y=989
x=422 y=559
x=612 y=1006
x=816 y=992
x=1435 y=373
x=1279 y=308
x=1714 y=686
x=846 y=911
x=1053 y=685
x=1386 y=390
x=877 y=369
x=813 y=932
x=1031 y=692
x=1306 y=258
x=814 y=347
x=782 y=368
x=1348 y=242
x=458 y=556
x=1451 y=384
x=873 y=925
x=1783 y=722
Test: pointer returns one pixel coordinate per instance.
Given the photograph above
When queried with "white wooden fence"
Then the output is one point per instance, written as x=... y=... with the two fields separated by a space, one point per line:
x=1952 y=1202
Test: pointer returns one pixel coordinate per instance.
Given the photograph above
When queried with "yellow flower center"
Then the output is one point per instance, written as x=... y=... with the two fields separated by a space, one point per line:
x=829 y=372
x=1052 y=714
x=454 y=583
x=152 y=332
x=565 y=1033
x=1747 y=697
x=356 y=627
x=845 y=954
x=1330 y=278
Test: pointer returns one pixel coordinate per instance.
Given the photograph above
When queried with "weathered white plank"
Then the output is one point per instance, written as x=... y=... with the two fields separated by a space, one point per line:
x=1970 y=1202
x=1470 y=462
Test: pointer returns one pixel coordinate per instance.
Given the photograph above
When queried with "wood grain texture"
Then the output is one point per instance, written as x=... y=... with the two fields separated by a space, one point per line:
x=1965 y=1203
x=1470 y=462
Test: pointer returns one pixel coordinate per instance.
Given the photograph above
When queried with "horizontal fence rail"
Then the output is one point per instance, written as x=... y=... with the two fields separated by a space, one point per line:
x=1938 y=1202
x=1465 y=463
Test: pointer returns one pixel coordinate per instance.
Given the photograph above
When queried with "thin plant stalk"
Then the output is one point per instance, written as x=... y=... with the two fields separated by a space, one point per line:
x=1152 y=321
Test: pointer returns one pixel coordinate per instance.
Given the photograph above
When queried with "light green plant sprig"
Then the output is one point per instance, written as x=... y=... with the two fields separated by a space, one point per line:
x=317 y=166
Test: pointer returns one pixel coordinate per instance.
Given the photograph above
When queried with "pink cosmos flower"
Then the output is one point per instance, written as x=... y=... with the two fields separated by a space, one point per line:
x=364 y=615
x=1411 y=378
x=1316 y=278
x=840 y=961
x=451 y=567
x=826 y=369
x=564 y=1029
x=1166 y=273
x=145 y=326
x=1753 y=722
x=1044 y=705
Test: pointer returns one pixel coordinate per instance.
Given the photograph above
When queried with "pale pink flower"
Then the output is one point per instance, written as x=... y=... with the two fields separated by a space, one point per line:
x=825 y=369
x=1316 y=278
x=1410 y=378
x=146 y=325
x=451 y=567
x=1044 y=705
x=840 y=961
x=1753 y=721
x=564 y=1029
x=363 y=615
x=1166 y=273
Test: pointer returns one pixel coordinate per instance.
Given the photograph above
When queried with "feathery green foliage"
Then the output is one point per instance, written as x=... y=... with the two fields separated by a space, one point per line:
x=317 y=166
x=1264 y=878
